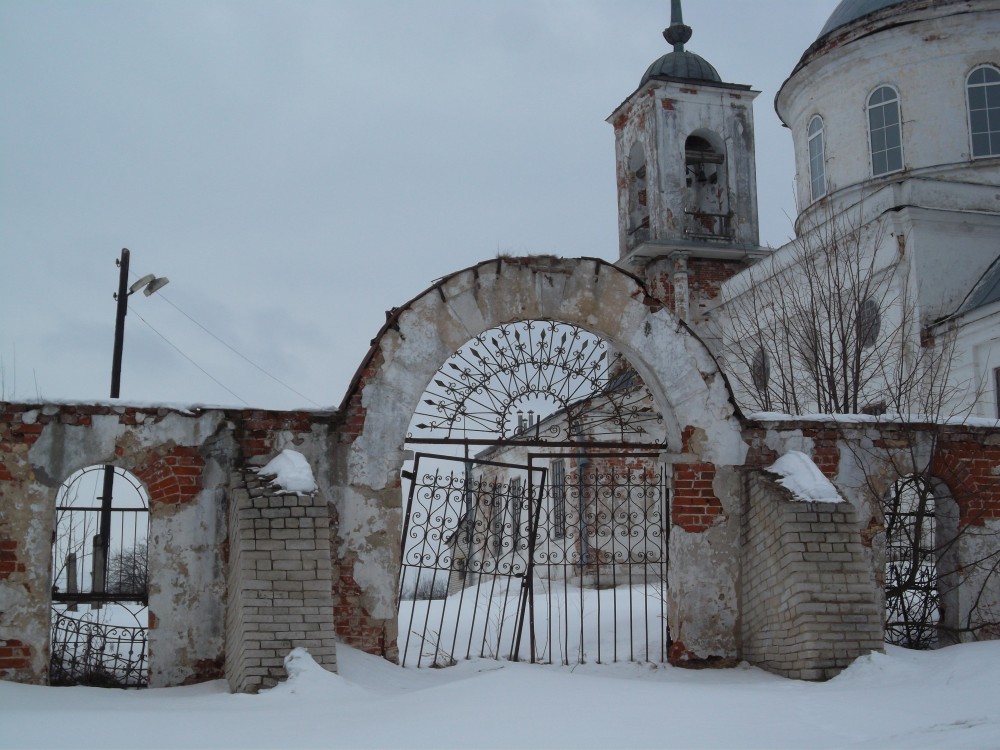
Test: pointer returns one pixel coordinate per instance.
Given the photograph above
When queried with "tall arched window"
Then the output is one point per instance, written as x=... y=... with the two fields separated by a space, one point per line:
x=983 y=90
x=884 y=131
x=817 y=158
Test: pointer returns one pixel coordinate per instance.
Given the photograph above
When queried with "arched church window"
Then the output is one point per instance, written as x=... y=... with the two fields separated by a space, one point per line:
x=884 y=131
x=707 y=202
x=983 y=91
x=817 y=158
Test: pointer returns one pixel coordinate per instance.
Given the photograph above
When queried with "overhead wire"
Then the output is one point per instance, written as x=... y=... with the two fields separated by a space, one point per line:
x=233 y=349
x=237 y=352
x=179 y=351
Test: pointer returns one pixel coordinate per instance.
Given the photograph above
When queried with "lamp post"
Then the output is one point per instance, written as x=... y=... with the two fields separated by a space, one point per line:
x=148 y=284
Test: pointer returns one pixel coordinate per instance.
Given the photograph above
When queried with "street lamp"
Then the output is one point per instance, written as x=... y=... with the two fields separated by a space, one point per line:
x=148 y=284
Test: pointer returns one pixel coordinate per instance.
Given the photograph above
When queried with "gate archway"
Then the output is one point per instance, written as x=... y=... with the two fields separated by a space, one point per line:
x=684 y=383
x=543 y=535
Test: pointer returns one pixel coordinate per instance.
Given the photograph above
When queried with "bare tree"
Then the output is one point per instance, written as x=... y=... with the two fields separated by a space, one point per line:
x=830 y=325
x=128 y=572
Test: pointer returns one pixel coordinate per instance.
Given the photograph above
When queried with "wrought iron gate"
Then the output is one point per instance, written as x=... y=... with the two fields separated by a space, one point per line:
x=531 y=561
x=100 y=581
x=548 y=540
x=465 y=554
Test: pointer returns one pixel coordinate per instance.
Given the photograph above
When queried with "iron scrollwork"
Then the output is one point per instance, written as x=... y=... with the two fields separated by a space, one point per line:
x=538 y=380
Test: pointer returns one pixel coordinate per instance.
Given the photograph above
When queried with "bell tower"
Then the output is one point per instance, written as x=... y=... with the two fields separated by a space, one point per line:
x=687 y=184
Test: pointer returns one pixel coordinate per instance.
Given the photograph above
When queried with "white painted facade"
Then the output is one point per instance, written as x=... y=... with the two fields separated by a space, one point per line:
x=935 y=220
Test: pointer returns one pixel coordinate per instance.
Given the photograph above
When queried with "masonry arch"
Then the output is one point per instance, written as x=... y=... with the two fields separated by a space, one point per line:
x=100 y=581
x=686 y=385
x=181 y=460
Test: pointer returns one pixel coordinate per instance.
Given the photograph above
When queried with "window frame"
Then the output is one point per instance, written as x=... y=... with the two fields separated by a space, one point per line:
x=992 y=135
x=869 y=107
x=811 y=137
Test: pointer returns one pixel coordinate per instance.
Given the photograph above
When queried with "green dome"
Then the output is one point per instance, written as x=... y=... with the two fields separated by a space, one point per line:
x=681 y=64
x=851 y=10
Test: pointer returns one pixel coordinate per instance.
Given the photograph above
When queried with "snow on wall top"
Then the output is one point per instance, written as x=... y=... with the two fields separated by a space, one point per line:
x=292 y=472
x=803 y=479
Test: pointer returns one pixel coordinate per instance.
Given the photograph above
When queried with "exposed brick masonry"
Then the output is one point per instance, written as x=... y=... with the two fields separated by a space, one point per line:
x=279 y=582
x=807 y=602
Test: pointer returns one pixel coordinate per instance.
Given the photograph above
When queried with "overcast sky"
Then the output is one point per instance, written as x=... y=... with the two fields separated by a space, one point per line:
x=298 y=168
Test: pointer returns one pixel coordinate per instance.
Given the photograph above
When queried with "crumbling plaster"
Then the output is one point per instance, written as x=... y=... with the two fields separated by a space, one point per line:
x=681 y=374
x=186 y=587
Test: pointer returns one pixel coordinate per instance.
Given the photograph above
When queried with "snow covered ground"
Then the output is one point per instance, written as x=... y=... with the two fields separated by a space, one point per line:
x=940 y=699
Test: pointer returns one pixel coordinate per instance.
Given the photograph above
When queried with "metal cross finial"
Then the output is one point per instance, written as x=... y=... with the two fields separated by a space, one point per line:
x=677 y=33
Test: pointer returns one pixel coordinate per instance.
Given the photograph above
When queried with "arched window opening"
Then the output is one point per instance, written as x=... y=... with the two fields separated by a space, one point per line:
x=817 y=159
x=912 y=596
x=638 y=197
x=100 y=581
x=983 y=92
x=885 y=131
x=707 y=203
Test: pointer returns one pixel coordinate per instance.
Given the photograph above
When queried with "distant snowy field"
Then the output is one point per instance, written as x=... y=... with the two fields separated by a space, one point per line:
x=902 y=699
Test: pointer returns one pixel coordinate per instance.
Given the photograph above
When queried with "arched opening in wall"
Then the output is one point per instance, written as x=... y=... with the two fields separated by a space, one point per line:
x=913 y=551
x=535 y=505
x=100 y=580
x=638 y=197
x=706 y=206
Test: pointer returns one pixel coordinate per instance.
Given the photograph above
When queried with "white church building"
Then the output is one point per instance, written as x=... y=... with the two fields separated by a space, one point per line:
x=894 y=113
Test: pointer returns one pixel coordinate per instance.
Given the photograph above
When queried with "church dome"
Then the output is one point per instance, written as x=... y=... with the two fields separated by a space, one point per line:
x=851 y=10
x=681 y=64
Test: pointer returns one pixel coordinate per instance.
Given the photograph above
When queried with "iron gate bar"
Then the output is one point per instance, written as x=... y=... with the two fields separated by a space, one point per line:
x=624 y=508
x=535 y=443
x=528 y=586
x=422 y=556
x=86 y=652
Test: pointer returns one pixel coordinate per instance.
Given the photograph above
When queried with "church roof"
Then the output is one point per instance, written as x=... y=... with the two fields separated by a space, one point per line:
x=680 y=63
x=851 y=10
x=985 y=292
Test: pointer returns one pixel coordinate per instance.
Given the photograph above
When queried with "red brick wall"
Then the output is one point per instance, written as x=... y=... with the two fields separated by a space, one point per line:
x=694 y=506
x=354 y=624
x=9 y=561
x=15 y=656
x=966 y=459
x=970 y=466
x=174 y=477
x=705 y=279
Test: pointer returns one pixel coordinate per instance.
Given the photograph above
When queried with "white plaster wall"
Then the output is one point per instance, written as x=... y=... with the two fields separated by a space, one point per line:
x=661 y=116
x=976 y=360
x=927 y=62
x=187 y=589
x=187 y=582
